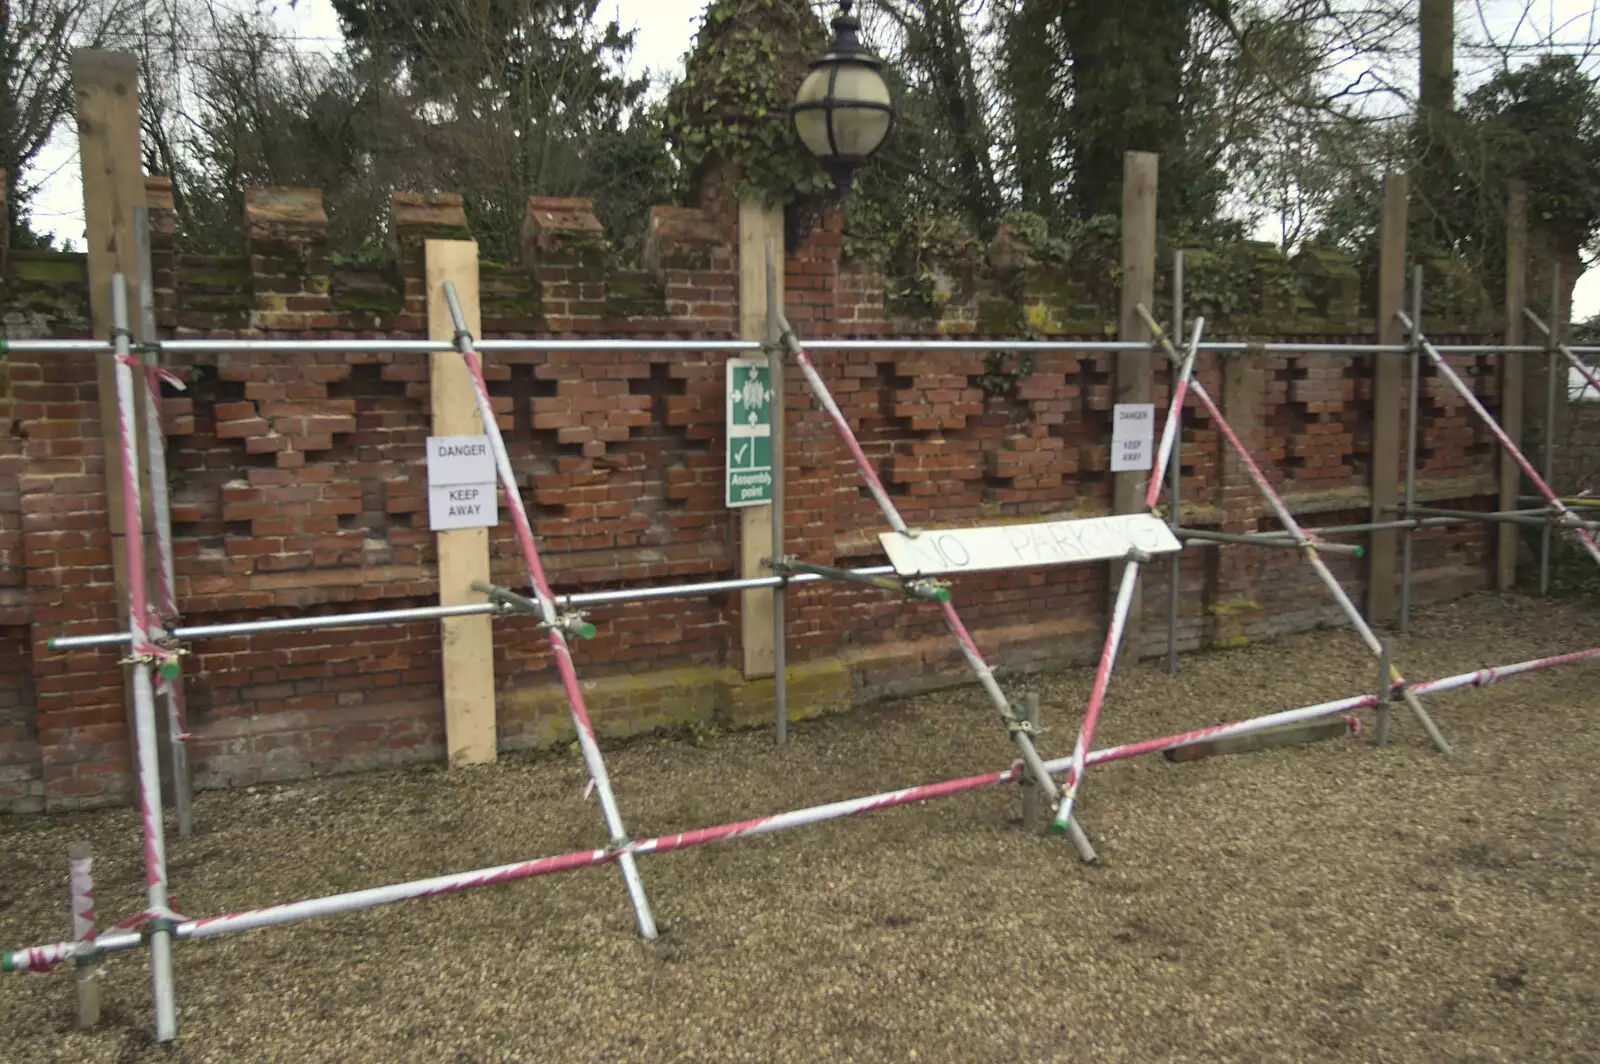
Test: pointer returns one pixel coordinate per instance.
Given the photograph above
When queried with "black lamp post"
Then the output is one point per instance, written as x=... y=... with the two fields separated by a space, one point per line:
x=842 y=111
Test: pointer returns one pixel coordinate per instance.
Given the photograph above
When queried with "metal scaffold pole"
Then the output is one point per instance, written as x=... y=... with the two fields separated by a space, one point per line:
x=144 y=654
x=1413 y=414
x=1308 y=547
x=1019 y=731
x=1175 y=478
x=555 y=627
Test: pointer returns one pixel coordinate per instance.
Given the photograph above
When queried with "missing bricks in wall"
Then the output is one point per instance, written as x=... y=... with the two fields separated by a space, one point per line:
x=622 y=451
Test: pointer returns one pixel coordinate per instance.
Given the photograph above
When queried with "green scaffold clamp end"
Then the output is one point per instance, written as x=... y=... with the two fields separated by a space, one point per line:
x=584 y=630
x=170 y=669
x=1359 y=552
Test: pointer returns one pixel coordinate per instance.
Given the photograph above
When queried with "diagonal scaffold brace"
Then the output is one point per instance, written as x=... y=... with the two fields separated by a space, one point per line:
x=1560 y=513
x=1307 y=544
x=158 y=920
x=1016 y=725
x=553 y=623
x=1130 y=581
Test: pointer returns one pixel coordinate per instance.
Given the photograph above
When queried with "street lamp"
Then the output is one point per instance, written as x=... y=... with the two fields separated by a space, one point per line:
x=842 y=111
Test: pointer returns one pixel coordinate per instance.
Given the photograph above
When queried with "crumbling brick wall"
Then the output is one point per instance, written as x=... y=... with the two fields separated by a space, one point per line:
x=298 y=482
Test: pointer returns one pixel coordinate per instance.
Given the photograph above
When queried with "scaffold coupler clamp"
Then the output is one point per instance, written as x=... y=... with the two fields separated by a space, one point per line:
x=1140 y=557
x=568 y=622
x=163 y=660
x=88 y=954
x=1566 y=519
x=1017 y=724
x=574 y=624
x=928 y=589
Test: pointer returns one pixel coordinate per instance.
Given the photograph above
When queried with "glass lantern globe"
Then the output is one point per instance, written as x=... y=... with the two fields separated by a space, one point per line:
x=842 y=111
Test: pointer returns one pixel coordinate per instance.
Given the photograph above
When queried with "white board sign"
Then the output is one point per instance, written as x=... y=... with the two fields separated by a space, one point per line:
x=461 y=483
x=460 y=460
x=974 y=550
x=1133 y=433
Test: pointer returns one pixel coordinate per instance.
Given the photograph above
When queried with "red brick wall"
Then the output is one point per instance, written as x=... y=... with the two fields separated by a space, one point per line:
x=298 y=485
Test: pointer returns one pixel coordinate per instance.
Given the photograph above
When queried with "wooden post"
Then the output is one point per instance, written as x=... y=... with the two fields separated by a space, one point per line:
x=1511 y=378
x=105 y=88
x=80 y=889
x=757 y=223
x=1139 y=175
x=1387 y=377
x=467 y=642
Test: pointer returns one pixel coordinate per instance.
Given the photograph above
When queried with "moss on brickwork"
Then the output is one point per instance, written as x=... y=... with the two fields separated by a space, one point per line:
x=635 y=293
x=662 y=699
x=1025 y=283
x=50 y=267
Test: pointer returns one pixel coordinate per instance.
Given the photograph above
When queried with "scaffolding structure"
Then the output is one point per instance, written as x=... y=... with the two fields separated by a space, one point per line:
x=154 y=638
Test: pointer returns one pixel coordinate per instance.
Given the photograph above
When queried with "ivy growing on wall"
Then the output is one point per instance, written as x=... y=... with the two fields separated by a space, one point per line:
x=733 y=102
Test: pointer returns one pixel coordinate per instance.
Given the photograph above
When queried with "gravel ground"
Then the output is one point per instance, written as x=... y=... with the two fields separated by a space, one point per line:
x=1334 y=902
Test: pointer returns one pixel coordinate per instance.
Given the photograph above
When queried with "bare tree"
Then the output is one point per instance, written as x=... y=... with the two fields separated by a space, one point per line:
x=36 y=42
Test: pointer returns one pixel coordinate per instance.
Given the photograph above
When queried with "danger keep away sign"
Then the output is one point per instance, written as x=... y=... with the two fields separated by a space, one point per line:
x=461 y=483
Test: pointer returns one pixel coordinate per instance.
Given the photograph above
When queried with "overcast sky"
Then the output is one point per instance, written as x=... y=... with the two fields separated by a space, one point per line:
x=666 y=29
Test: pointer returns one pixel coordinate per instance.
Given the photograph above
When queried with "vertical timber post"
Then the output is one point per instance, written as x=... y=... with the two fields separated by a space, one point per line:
x=757 y=223
x=467 y=642
x=105 y=88
x=80 y=891
x=1139 y=176
x=1511 y=380
x=1387 y=377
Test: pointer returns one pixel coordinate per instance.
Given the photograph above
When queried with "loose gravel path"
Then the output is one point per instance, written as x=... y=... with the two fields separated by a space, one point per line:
x=1327 y=903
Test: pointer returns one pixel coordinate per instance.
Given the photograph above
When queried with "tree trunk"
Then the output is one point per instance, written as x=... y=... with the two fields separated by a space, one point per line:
x=1436 y=25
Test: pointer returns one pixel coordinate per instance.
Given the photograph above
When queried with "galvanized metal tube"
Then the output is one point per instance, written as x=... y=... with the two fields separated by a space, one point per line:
x=1575 y=501
x=1588 y=372
x=303 y=347
x=1487 y=349
x=144 y=708
x=435 y=613
x=1310 y=550
x=779 y=407
x=1265 y=540
x=1499 y=517
x=170 y=688
x=1557 y=507
x=1175 y=476
x=1130 y=580
x=559 y=651
x=408 y=346
x=403 y=346
x=1413 y=412
x=1384 y=526
x=969 y=648
x=283 y=624
x=55 y=347
x=606 y=344
x=1550 y=420
x=44 y=958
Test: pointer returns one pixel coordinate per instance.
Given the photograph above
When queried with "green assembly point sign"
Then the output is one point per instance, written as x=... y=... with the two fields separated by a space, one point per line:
x=749 y=433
